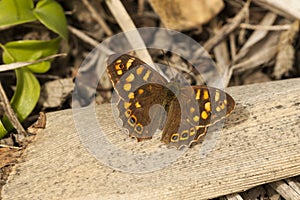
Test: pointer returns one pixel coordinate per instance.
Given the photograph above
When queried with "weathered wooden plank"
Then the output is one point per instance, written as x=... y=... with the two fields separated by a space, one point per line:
x=260 y=143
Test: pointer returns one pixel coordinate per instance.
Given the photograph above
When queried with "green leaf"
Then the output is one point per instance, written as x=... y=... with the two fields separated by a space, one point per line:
x=27 y=93
x=3 y=131
x=51 y=14
x=15 y=12
x=30 y=50
x=25 y=97
x=40 y=68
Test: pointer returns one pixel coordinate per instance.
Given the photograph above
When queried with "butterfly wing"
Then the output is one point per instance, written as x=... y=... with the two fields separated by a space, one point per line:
x=128 y=73
x=139 y=87
x=139 y=115
x=214 y=104
x=178 y=131
x=201 y=107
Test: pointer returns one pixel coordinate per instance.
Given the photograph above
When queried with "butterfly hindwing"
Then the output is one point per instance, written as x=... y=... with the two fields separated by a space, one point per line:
x=200 y=107
x=135 y=113
x=178 y=131
x=214 y=104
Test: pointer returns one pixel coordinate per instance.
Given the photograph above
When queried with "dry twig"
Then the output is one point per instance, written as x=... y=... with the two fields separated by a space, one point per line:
x=285 y=190
x=16 y=65
x=287 y=8
x=227 y=29
x=141 y=7
x=232 y=46
x=83 y=36
x=234 y=197
x=88 y=39
x=4 y=102
x=265 y=27
x=286 y=52
x=98 y=18
x=294 y=184
x=264 y=56
x=125 y=22
x=8 y=146
x=256 y=36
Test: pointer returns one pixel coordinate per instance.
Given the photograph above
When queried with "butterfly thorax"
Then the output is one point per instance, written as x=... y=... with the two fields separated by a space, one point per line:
x=172 y=91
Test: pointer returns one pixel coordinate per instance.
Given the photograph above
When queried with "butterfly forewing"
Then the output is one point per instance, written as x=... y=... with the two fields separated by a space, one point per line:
x=128 y=73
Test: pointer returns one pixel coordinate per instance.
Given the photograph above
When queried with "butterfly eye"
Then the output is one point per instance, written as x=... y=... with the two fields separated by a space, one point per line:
x=175 y=137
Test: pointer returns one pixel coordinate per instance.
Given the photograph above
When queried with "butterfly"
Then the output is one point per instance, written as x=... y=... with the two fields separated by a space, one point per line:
x=186 y=113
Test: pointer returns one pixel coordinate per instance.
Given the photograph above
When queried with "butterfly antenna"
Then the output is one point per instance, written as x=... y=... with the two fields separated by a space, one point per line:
x=167 y=59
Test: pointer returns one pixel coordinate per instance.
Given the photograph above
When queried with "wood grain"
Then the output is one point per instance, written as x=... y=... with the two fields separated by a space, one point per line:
x=260 y=143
